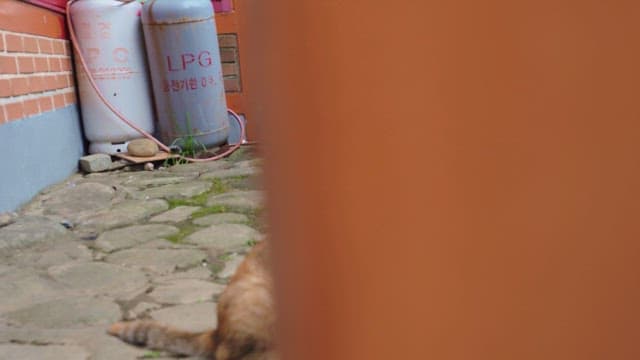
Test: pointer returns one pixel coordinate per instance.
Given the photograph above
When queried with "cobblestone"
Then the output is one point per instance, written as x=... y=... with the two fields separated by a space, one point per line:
x=122 y=244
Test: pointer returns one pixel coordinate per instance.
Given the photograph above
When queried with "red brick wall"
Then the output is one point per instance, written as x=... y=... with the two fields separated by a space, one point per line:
x=35 y=62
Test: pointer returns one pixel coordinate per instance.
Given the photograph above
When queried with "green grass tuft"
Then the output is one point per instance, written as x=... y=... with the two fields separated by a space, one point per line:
x=151 y=355
x=216 y=209
x=185 y=231
x=251 y=243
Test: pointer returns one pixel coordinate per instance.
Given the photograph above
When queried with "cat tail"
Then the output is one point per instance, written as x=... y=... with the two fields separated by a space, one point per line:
x=152 y=335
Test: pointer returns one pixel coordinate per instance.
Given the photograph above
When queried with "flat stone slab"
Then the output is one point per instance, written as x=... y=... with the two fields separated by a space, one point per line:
x=158 y=260
x=227 y=173
x=200 y=167
x=224 y=218
x=178 y=191
x=99 y=278
x=66 y=313
x=164 y=244
x=125 y=213
x=227 y=237
x=31 y=230
x=78 y=198
x=140 y=309
x=246 y=200
x=22 y=288
x=47 y=352
x=105 y=347
x=143 y=179
x=197 y=273
x=192 y=317
x=175 y=215
x=130 y=236
x=186 y=291
x=44 y=255
x=92 y=339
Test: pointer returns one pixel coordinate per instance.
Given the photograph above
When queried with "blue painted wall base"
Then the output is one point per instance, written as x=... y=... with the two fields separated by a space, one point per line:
x=37 y=152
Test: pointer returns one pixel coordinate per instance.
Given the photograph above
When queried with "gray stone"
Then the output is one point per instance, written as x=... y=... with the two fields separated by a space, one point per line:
x=227 y=173
x=164 y=244
x=142 y=148
x=7 y=218
x=157 y=179
x=198 y=273
x=178 y=191
x=141 y=309
x=44 y=255
x=104 y=347
x=100 y=278
x=175 y=215
x=95 y=162
x=77 y=199
x=118 y=164
x=231 y=266
x=200 y=167
x=29 y=231
x=186 y=292
x=21 y=288
x=244 y=200
x=125 y=213
x=227 y=237
x=48 y=352
x=158 y=260
x=92 y=339
x=192 y=317
x=66 y=313
x=131 y=236
x=217 y=219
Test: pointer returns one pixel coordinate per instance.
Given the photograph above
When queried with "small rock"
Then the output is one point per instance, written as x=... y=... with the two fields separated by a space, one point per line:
x=95 y=163
x=142 y=148
x=66 y=223
x=7 y=218
x=149 y=166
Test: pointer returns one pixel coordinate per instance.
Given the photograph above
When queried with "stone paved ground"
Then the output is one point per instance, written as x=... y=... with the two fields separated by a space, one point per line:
x=131 y=244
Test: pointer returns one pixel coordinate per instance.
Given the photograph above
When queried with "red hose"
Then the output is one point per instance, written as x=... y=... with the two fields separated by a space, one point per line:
x=162 y=146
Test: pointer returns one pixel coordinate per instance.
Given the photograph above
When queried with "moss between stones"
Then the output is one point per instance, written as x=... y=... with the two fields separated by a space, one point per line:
x=216 y=209
x=185 y=229
x=219 y=186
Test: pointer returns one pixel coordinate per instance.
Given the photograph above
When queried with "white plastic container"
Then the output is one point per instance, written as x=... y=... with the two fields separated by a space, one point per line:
x=110 y=37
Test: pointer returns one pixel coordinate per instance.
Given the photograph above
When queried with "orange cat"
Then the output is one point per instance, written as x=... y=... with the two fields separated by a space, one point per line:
x=246 y=320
